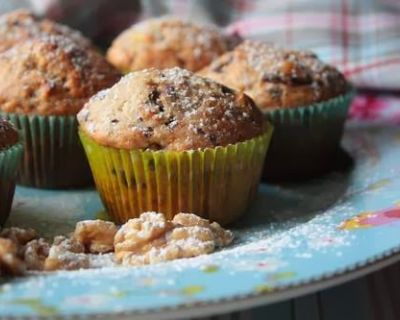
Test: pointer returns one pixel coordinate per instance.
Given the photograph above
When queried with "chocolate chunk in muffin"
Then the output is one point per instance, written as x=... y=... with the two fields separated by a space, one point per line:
x=51 y=75
x=277 y=78
x=172 y=109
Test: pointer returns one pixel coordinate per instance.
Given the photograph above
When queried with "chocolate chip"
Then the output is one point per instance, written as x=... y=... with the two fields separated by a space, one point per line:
x=271 y=77
x=200 y=131
x=275 y=93
x=226 y=90
x=170 y=90
x=171 y=122
x=153 y=96
x=154 y=146
x=114 y=121
x=147 y=132
x=300 y=80
x=213 y=138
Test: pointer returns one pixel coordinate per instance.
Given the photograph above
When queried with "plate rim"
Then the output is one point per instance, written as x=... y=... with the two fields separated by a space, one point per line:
x=234 y=303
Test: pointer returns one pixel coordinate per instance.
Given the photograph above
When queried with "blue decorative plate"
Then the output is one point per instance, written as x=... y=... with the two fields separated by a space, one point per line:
x=296 y=238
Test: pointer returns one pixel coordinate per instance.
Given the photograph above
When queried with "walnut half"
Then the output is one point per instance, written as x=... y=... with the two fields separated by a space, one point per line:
x=66 y=254
x=35 y=254
x=96 y=236
x=151 y=238
x=10 y=264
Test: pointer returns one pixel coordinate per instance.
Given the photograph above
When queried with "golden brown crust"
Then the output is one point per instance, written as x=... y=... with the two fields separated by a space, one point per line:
x=277 y=78
x=22 y=25
x=8 y=134
x=164 y=43
x=51 y=76
x=172 y=109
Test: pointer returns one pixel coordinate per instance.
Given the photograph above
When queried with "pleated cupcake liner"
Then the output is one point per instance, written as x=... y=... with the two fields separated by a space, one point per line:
x=215 y=183
x=306 y=139
x=9 y=163
x=53 y=157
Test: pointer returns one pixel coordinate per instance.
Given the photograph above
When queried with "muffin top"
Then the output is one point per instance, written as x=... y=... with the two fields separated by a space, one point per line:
x=166 y=42
x=21 y=25
x=170 y=109
x=8 y=134
x=51 y=75
x=277 y=78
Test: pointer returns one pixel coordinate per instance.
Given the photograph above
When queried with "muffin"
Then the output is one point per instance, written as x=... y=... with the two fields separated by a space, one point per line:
x=305 y=99
x=166 y=42
x=22 y=25
x=170 y=141
x=10 y=156
x=45 y=82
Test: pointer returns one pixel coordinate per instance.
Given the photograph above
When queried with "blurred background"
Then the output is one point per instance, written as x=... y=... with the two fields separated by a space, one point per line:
x=360 y=37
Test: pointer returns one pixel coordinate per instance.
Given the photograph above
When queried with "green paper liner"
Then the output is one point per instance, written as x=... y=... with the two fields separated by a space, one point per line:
x=306 y=139
x=9 y=161
x=53 y=157
x=216 y=183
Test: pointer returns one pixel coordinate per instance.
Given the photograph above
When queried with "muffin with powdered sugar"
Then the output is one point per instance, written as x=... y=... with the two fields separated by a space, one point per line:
x=45 y=82
x=305 y=99
x=172 y=141
x=166 y=42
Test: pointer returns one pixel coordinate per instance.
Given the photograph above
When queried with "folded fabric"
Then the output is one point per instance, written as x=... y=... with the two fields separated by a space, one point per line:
x=360 y=37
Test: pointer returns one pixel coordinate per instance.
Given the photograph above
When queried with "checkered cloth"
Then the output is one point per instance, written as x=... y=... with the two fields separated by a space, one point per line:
x=360 y=37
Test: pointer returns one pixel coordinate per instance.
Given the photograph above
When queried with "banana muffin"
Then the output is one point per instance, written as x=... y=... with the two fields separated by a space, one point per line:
x=173 y=140
x=166 y=42
x=10 y=156
x=277 y=78
x=305 y=99
x=22 y=25
x=169 y=109
x=45 y=82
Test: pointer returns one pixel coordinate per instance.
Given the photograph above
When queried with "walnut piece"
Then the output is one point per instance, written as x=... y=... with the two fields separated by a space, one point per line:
x=222 y=237
x=96 y=236
x=138 y=233
x=66 y=254
x=35 y=254
x=10 y=264
x=151 y=238
x=18 y=235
